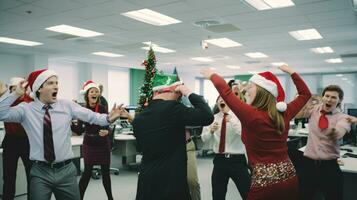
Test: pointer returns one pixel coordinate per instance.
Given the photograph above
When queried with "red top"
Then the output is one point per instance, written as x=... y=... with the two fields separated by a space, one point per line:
x=15 y=129
x=262 y=143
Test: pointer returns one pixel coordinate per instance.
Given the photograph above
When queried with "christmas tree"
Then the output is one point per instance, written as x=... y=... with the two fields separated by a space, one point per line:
x=145 y=92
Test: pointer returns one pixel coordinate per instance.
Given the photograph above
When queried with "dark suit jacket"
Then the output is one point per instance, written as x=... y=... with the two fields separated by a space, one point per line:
x=160 y=133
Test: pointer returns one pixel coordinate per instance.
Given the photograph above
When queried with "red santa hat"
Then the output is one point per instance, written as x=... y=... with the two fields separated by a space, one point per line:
x=271 y=83
x=37 y=78
x=14 y=81
x=88 y=85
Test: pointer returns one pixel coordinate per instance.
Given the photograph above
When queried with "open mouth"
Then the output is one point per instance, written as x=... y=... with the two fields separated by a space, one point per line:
x=328 y=105
x=54 y=94
x=94 y=98
x=222 y=105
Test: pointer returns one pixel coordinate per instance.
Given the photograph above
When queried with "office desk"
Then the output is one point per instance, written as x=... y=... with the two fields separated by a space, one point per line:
x=349 y=169
x=126 y=147
x=304 y=133
x=77 y=142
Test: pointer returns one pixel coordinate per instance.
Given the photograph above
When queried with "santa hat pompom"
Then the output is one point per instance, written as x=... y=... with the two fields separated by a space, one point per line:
x=281 y=106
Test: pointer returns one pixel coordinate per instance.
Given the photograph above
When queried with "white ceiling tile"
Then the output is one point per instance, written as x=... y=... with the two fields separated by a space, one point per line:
x=6 y=4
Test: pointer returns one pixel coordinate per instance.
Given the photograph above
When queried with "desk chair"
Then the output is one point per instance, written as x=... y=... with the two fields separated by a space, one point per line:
x=96 y=170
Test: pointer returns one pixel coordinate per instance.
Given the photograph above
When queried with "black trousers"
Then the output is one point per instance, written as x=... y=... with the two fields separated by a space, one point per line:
x=323 y=176
x=234 y=167
x=13 y=149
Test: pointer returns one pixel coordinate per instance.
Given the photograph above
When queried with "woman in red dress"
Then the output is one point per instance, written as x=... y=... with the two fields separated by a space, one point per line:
x=265 y=124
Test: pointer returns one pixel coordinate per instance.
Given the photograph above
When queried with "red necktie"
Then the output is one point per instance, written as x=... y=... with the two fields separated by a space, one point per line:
x=323 y=121
x=49 y=152
x=222 y=140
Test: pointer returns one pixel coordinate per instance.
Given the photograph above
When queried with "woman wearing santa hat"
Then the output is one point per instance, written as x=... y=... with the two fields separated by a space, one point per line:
x=96 y=144
x=265 y=123
x=15 y=145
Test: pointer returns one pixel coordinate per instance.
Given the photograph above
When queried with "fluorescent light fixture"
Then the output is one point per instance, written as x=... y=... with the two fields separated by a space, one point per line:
x=307 y=34
x=269 y=4
x=277 y=64
x=233 y=67
x=107 y=54
x=150 y=43
x=159 y=49
x=256 y=55
x=223 y=42
x=71 y=30
x=344 y=78
x=339 y=75
x=203 y=59
x=151 y=17
x=19 y=42
x=334 y=60
x=322 y=50
x=213 y=68
x=253 y=72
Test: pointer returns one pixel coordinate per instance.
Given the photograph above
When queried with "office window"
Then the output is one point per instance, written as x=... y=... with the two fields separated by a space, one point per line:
x=197 y=86
x=118 y=87
x=310 y=80
x=210 y=93
x=67 y=79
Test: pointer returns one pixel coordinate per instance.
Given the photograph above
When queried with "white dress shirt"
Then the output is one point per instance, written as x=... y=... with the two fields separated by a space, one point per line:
x=30 y=115
x=234 y=144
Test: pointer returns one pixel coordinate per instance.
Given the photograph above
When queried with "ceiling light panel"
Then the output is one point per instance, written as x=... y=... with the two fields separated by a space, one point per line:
x=256 y=55
x=19 y=42
x=151 y=17
x=71 y=30
x=224 y=42
x=307 y=34
x=269 y=4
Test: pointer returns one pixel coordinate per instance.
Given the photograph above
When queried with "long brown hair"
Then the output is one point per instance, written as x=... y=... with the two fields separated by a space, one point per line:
x=86 y=99
x=265 y=101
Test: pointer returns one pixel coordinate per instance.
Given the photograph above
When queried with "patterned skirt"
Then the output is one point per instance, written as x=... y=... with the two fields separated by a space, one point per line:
x=274 y=181
x=96 y=153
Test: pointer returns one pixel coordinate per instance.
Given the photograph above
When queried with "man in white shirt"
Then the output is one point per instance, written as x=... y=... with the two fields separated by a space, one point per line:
x=47 y=124
x=230 y=160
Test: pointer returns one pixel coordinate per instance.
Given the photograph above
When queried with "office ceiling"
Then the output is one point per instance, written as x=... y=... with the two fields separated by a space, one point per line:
x=264 y=31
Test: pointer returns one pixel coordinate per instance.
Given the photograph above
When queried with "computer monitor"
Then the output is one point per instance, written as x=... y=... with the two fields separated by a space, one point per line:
x=351 y=137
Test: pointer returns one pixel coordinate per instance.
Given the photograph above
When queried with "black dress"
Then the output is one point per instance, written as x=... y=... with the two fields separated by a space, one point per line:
x=160 y=133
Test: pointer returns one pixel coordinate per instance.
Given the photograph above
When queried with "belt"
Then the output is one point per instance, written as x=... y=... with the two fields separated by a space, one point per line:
x=228 y=155
x=322 y=162
x=53 y=165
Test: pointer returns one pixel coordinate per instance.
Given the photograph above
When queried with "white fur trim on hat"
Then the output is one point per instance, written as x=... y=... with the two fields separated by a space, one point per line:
x=14 y=81
x=40 y=80
x=87 y=87
x=270 y=86
x=281 y=106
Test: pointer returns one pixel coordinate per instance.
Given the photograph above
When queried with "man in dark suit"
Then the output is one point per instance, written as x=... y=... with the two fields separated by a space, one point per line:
x=160 y=133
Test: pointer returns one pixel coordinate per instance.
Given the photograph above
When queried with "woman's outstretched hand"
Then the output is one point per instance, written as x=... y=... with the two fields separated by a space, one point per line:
x=287 y=69
x=207 y=72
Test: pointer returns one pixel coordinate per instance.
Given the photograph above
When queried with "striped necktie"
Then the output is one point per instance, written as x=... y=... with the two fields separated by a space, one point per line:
x=49 y=151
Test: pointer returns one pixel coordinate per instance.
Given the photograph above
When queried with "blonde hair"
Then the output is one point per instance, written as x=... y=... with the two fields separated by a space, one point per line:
x=265 y=101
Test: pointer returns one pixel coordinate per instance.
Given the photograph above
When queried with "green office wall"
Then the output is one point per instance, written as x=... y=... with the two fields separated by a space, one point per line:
x=242 y=77
x=136 y=80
